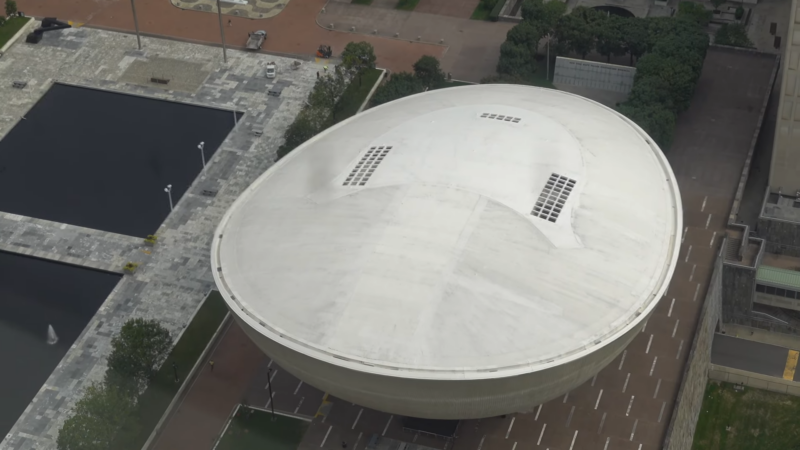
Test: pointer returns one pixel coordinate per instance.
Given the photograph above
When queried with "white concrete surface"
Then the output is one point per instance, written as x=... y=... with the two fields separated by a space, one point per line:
x=435 y=269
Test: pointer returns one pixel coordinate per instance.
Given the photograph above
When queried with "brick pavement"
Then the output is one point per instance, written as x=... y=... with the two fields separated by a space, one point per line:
x=201 y=415
x=175 y=276
x=293 y=31
x=454 y=8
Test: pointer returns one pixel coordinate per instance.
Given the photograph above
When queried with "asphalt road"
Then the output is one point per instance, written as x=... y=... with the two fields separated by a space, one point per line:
x=748 y=355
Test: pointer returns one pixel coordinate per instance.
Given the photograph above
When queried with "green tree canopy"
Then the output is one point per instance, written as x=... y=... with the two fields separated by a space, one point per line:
x=576 y=32
x=678 y=78
x=428 y=71
x=137 y=352
x=634 y=36
x=656 y=120
x=357 y=57
x=608 y=36
x=401 y=84
x=695 y=12
x=96 y=419
x=734 y=34
x=11 y=8
x=309 y=122
x=327 y=91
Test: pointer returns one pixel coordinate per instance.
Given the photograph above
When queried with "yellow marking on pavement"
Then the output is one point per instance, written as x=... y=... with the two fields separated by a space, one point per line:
x=75 y=24
x=791 y=365
x=322 y=405
x=146 y=252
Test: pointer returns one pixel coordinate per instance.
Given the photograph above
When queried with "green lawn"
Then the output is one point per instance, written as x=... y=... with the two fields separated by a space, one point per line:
x=252 y=429
x=10 y=28
x=480 y=13
x=157 y=397
x=361 y=2
x=355 y=94
x=407 y=5
x=757 y=420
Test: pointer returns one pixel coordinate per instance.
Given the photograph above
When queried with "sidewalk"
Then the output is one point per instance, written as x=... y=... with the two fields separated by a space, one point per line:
x=202 y=413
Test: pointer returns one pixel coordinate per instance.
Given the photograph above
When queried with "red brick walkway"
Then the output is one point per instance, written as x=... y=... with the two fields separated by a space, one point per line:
x=294 y=30
x=203 y=412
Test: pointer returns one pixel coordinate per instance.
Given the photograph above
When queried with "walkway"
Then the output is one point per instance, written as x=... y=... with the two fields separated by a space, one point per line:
x=203 y=412
x=293 y=31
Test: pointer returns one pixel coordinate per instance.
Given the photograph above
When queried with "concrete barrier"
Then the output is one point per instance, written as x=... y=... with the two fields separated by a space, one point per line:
x=753 y=380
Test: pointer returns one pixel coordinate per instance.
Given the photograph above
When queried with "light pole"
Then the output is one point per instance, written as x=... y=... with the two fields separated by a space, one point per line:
x=221 y=32
x=547 y=75
x=201 y=146
x=269 y=386
x=168 y=190
x=136 y=25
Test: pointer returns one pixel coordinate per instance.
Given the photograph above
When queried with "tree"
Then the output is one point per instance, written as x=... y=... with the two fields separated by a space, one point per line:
x=402 y=84
x=11 y=8
x=327 y=91
x=652 y=91
x=428 y=71
x=574 y=30
x=609 y=40
x=678 y=78
x=634 y=37
x=717 y=4
x=358 y=57
x=96 y=419
x=308 y=123
x=657 y=121
x=695 y=12
x=515 y=59
x=734 y=34
x=137 y=352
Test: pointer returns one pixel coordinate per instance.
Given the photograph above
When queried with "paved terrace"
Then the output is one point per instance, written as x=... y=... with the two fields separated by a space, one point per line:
x=175 y=276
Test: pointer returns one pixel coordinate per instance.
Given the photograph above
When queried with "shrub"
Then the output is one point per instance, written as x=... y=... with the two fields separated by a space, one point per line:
x=739 y=13
x=150 y=239
x=733 y=34
x=694 y=11
x=498 y=7
x=311 y=121
x=137 y=352
x=130 y=267
x=11 y=8
x=657 y=121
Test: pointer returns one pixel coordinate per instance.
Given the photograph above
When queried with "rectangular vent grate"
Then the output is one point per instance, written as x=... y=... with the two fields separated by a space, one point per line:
x=500 y=117
x=553 y=197
x=367 y=165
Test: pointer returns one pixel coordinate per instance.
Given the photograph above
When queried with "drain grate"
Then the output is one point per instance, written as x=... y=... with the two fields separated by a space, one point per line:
x=553 y=197
x=367 y=165
x=500 y=117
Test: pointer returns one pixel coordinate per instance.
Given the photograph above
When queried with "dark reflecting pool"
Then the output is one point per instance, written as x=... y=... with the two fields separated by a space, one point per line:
x=35 y=293
x=102 y=160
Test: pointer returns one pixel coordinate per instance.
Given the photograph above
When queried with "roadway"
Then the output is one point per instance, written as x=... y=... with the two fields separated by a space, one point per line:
x=756 y=357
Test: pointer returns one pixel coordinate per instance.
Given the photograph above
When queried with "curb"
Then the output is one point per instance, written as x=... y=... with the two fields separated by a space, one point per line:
x=187 y=381
x=25 y=28
x=372 y=91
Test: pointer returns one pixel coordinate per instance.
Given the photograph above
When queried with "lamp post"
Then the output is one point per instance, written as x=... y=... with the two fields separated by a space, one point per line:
x=547 y=75
x=222 y=33
x=201 y=146
x=136 y=25
x=175 y=369
x=269 y=386
x=168 y=190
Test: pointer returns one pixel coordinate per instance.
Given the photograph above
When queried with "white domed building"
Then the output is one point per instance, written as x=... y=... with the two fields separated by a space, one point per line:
x=462 y=253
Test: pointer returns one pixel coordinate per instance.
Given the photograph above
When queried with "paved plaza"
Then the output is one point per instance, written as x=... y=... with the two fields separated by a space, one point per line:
x=174 y=276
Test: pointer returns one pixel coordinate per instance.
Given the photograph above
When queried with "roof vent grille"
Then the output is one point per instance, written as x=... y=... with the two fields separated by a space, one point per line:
x=553 y=197
x=367 y=165
x=500 y=117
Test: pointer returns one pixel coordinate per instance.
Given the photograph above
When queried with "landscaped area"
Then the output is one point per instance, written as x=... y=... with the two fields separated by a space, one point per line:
x=252 y=429
x=750 y=419
x=10 y=28
x=162 y=389
x=356 y=93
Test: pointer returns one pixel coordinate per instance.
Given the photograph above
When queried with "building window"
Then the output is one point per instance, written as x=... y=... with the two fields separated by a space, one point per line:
x=780 y=292
x=790 y=294
x=770 y=290
x=760 y=288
